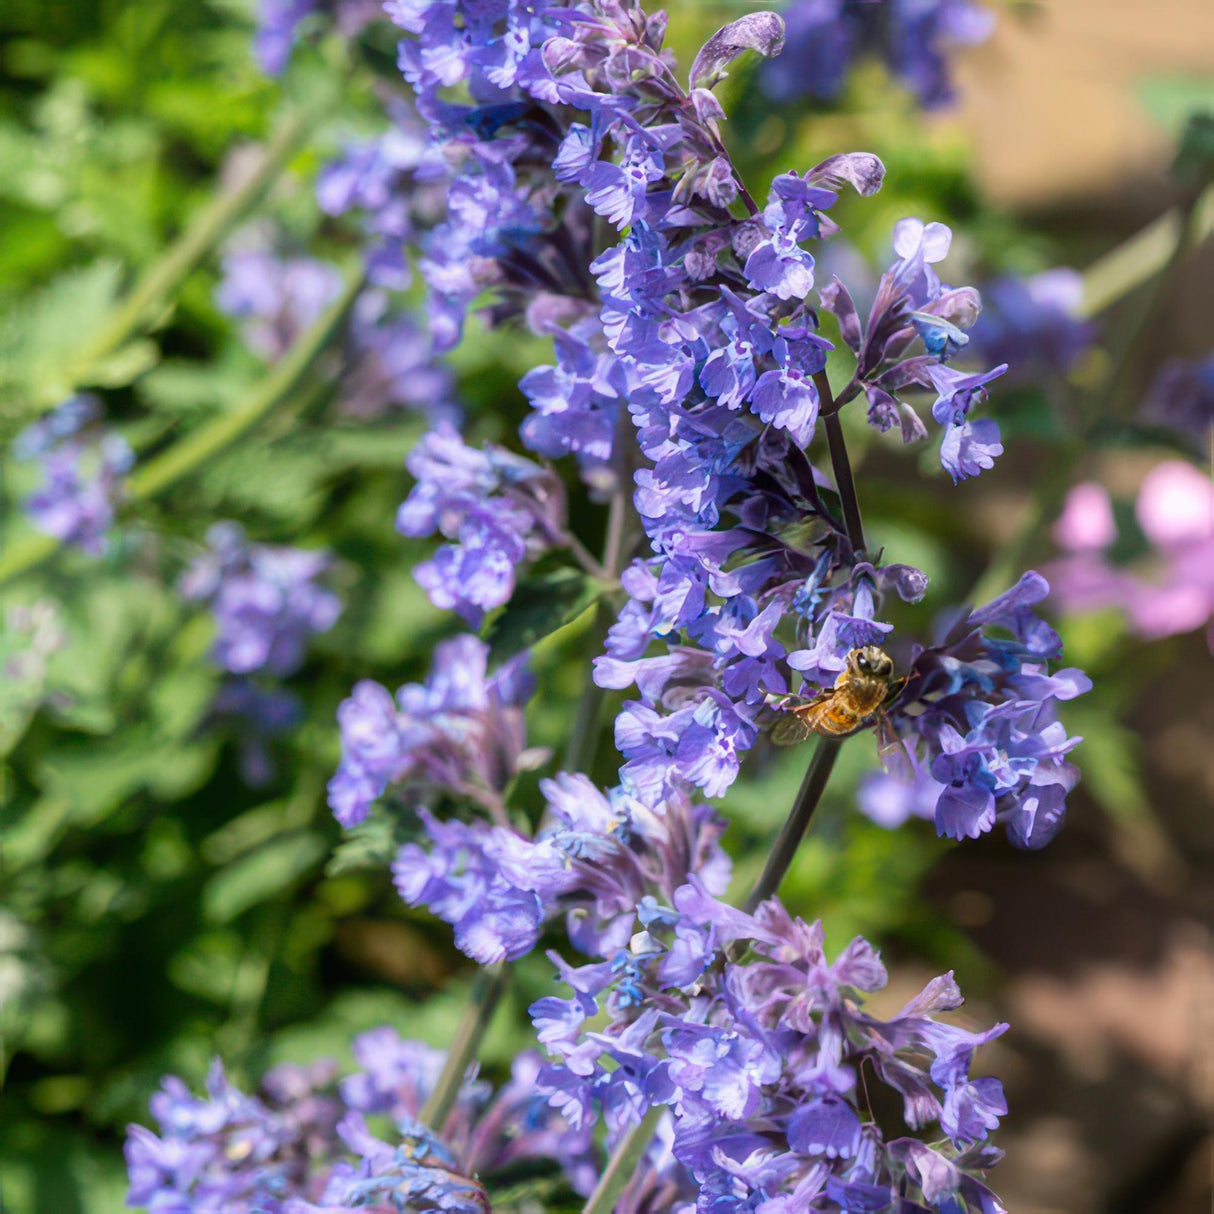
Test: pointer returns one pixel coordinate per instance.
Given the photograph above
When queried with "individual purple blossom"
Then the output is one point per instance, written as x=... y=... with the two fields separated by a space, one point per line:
x=496 y=509
x=266 y=600
x=83 y=468
x=460 y=732
x=913 y=37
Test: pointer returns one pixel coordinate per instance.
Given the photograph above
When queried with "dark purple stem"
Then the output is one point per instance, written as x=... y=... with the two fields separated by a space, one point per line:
x=844 y=481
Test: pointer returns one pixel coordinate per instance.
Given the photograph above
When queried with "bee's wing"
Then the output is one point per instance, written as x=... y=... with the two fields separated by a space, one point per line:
x=790 y=728
x=894 y=753
x=793 y=725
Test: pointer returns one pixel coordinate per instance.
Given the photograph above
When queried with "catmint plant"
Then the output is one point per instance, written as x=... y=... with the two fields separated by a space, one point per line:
x=729 y=1059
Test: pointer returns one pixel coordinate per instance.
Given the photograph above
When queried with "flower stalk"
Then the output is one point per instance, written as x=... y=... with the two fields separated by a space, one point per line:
x=487 y=990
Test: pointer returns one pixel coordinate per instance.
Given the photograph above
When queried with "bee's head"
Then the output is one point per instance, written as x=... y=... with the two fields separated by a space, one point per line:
x=871 y=662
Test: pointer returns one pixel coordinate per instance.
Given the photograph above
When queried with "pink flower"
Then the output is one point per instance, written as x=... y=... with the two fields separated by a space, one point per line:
x=1086 y=523
x=1174 y=590
x=1175 y=505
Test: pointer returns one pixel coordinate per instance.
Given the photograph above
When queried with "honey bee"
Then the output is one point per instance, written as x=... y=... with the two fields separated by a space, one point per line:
x=864 y=689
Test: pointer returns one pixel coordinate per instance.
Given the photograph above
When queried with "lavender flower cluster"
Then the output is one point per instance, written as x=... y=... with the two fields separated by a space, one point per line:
x=757 y=1044
x=303 y=1146
x=83 y=466
x=266 y=600
x=912 y=37
x=588 y=194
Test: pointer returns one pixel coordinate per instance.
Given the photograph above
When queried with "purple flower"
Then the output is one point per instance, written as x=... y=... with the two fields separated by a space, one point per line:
x=275 y=297
x=779 y=265
x=913 y=37
x=970 y=448
x=265 y=600
x=1182 y=398
x=277 y=24
x=978 y=718
x=497 y=509
x=302 y=1145
x=460 y=732
x=82 y=474
x=490 y=883
x=757 y=1052
x=256 y=716
x=1033 y=324
x=392 y=364
x=788 y=401
x=617 y=191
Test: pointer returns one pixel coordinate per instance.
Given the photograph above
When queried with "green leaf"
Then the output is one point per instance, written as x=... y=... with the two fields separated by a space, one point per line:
x=124 y=366
x=541 y=604
x=192 y=390
x=261 y=875
x=40 y=338
x=368 y=847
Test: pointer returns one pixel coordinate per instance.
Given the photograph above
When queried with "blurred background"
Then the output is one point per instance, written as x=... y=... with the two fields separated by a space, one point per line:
x=172 y=884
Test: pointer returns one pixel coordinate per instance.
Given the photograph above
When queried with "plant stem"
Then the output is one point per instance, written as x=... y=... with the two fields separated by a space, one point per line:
x=155 y=288
x=623 y=1164
x=583 y=740
x=797 y=822
x=840 y=464
x=487 y=989
x=196 y=448
x=208 y=441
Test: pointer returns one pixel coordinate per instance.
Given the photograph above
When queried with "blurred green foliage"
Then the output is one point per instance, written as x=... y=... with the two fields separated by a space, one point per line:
x=153 y=908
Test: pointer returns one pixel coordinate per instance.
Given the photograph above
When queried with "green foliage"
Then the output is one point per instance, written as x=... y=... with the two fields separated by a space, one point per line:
x=545 y=601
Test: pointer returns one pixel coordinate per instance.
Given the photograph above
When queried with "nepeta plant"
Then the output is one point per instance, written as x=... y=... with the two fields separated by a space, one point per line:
x=589 y=196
